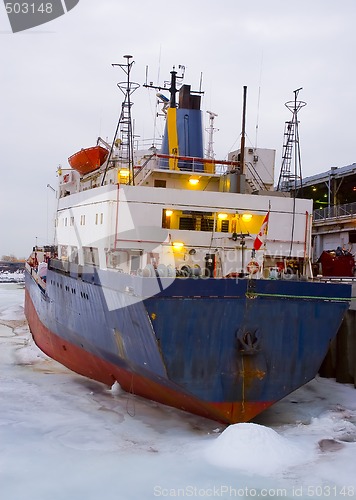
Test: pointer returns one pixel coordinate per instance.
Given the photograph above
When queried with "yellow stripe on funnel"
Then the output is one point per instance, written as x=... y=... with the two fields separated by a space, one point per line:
x=172 y=138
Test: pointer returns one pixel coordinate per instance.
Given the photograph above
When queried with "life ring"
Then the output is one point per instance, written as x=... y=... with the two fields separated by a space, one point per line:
x=253 y=267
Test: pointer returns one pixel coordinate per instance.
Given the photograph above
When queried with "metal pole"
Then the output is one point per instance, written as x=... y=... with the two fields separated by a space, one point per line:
x=242 y=147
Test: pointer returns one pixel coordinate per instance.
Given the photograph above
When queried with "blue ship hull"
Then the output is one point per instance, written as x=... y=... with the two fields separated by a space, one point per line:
x=222 y=348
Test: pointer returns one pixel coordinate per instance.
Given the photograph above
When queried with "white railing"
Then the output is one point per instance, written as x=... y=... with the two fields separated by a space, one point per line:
x=337 y=211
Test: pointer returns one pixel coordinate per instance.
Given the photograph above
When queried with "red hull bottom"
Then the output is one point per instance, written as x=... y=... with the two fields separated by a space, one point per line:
x=85 y=363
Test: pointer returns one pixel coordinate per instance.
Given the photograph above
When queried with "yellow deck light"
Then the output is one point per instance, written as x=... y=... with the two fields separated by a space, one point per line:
x=178 y=245
x=194 y=181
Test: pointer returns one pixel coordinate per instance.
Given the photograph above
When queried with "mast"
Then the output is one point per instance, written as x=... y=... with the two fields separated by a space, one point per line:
x=243 y=133
x=210 y=150
x=288 y=180
x=124 y=130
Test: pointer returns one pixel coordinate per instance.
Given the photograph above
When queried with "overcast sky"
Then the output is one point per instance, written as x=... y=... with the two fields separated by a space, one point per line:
x=58 y=88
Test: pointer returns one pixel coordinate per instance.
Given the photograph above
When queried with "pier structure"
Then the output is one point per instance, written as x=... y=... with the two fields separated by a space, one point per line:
x=334 y=215
x=334 y=225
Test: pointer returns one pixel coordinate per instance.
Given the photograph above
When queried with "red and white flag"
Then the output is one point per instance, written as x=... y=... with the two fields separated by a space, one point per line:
x=260 y=238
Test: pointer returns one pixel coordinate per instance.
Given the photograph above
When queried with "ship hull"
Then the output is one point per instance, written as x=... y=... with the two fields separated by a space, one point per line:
x=223 y=349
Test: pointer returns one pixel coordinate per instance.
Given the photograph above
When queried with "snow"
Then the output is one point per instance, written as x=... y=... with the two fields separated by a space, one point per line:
x=64 y=437
x=256 y=449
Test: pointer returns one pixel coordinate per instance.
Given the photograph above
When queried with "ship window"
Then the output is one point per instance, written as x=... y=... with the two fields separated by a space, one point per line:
x=73 y=257
x=117 y=258
x=224 y=226
x=65 y=221
x=187 y=223
x=82 y=220
x=207 y=224
x=72 y=221
x=159 y=183
x=63 y=252
x=135 y=262
x=96 y=218
x=167 y=216
x=101 y=218
x=91 y=256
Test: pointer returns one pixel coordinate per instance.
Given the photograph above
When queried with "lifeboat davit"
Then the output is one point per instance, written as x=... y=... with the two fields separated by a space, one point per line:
x=89 y=159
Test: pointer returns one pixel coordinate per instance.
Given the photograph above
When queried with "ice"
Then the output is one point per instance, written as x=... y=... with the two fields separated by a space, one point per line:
x=64 y=437
x=256 y=449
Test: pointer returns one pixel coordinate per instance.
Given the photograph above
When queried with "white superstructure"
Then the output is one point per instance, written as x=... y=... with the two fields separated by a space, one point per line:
x=172 y=225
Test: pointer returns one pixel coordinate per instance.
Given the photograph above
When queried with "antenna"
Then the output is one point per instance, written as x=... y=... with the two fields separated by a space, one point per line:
x=258 y=102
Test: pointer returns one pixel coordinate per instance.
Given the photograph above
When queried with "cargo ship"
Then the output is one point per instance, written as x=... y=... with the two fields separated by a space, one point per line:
x=185 y=279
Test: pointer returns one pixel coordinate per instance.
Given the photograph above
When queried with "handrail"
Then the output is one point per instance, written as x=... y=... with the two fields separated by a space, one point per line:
x=199 y=160
x=256 y=176
x=336 y=211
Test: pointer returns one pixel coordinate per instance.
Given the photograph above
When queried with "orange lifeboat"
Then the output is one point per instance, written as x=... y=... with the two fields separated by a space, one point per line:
x=89 y=159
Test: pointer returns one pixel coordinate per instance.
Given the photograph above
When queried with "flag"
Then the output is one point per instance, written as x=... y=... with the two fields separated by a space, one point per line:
x=260 y=238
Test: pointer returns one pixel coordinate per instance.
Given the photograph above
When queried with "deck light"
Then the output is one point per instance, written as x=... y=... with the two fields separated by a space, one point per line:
x=177 y=245
x=194 y=181
x=222 y=216
x=246 y=217
x=169 y=213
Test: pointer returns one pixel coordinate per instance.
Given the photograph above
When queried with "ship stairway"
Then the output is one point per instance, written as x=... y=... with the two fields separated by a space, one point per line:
x=145 y=169
x=253 y=179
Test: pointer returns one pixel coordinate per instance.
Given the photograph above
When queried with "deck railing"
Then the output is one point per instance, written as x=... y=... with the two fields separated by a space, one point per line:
x=335 y=212
x=183 y=164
